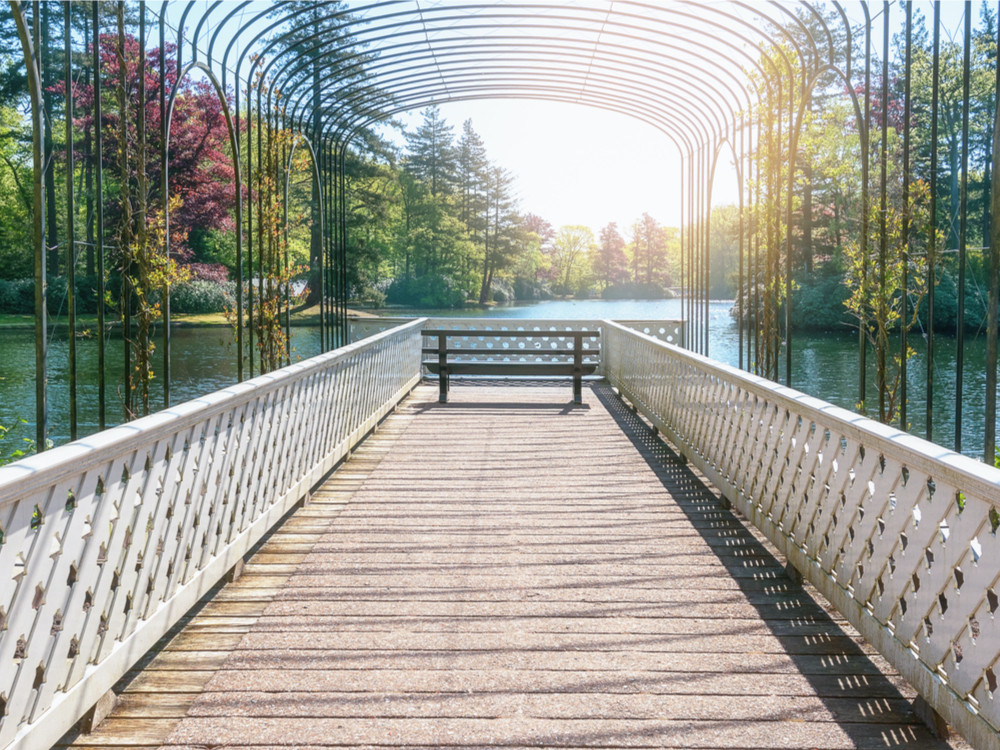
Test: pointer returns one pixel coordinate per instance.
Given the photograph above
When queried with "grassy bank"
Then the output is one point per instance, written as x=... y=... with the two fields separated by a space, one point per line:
x=307 y=316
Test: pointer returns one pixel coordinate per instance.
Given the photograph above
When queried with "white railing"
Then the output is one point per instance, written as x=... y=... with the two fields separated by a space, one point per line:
x=108 y=541
x=671 y=331
x=899 y=534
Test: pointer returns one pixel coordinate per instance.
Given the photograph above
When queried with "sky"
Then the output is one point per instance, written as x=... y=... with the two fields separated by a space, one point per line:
x=580 y=165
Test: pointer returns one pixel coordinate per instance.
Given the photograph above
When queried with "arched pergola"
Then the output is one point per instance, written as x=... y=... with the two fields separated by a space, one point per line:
x=719 y=80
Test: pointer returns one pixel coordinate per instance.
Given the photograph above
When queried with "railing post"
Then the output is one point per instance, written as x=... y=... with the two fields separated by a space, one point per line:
x=443 y=368
x=577 y=368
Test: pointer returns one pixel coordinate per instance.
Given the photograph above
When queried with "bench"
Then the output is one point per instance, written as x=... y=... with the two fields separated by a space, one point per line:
x=549 y=360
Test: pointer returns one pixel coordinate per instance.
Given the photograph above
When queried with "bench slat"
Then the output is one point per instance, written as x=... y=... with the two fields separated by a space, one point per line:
x=509 y=352
x=510 y=334
x=511 y=368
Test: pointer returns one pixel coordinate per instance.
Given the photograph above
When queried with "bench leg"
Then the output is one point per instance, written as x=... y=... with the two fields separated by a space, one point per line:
x=577 y=389
x=443 y=387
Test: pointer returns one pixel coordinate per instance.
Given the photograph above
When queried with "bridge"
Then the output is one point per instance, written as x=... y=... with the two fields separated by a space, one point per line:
x=325 y=555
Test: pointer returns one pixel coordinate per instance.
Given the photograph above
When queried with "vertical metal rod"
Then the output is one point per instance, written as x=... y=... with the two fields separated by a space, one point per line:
x=324 y=160
x=686 y=341
x=40 y=157
x=287 y=284
x=865 y=185
x=29 y=43
x=989 y=433
x=706 y=243
x=125 y=177
x=903 y=343
x=142 y=239
x=692 y=324
x=342 y=286
x=932 y=240
x=774 y=251
x=758 y=228
x=237 y=157
x=253 y=185
x=883 y=246
x=165 y=196
x=261 y=174
x=70 y=211
x=963 y=200
x=792 y=148
x=51 y=220
x=99 y=210
x=739 y=284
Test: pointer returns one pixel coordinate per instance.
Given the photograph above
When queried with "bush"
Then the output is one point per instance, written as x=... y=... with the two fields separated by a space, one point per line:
x=200 y=296
x=207 y=272
x=529 y=289
x=630 y=290
x=430 y=291
x=501 y=291
x=818 y=303
x=17 y=296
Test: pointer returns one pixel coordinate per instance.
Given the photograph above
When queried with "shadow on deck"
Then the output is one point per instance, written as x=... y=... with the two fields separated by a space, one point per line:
x=510 y=570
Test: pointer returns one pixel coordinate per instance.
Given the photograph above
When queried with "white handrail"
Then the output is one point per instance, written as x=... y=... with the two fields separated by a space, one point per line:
x=899 y=534
x=108 y=541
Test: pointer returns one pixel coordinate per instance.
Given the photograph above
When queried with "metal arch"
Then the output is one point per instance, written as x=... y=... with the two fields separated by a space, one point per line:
x=735 y=49
x=571 y=52
x=538 y=48
x=536 y=26
x=234 y=145
x=660 y=44
x=297 y=105
x=614 y=88
x=726 y=120
x=607 y=89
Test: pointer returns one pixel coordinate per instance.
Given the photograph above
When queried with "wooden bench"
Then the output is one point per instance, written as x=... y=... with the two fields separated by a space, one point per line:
x=472 y=361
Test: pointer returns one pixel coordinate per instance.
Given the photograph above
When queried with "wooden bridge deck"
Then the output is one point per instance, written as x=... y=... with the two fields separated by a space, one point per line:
x=510 y=570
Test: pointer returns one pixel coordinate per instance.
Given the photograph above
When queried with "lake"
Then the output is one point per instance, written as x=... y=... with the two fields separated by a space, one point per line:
x=203 y=360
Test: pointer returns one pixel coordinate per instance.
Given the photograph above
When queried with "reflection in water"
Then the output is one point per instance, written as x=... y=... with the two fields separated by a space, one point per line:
x=204 y=360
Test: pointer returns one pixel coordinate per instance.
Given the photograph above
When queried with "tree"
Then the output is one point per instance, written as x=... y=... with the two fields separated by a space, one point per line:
x=201 y=166
x=611 y=265
x=471 y=178
x=570 y=256
x=502 y=222
x=649 y=251
x=432 y=157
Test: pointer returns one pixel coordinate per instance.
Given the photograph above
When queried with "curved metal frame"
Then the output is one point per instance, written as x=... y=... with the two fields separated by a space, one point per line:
x=388 y=56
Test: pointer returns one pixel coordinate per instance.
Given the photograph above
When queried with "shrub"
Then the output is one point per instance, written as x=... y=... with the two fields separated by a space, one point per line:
x=200 y=296
x=208 y=272
x=17 y=296
x=501 y=291
x=430 y=291
x=630 y=290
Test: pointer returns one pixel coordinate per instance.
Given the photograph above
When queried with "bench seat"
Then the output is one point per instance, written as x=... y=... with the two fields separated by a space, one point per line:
x=510 y=361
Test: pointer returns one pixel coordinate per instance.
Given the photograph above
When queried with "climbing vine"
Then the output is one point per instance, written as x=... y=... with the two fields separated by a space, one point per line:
x=885 y=293
x=147 y=270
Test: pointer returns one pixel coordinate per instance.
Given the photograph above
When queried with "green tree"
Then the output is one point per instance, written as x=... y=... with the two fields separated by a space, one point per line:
x=611 y=264
x=571 y=257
